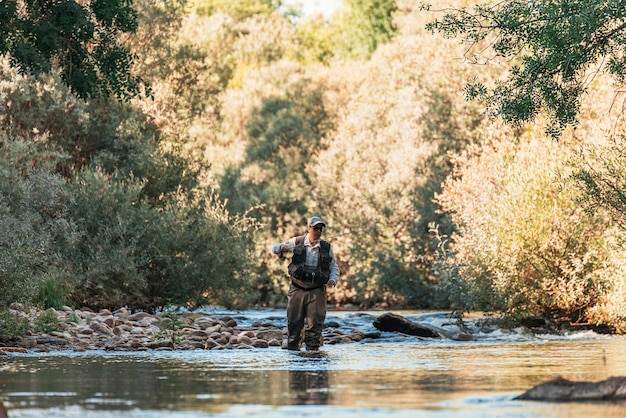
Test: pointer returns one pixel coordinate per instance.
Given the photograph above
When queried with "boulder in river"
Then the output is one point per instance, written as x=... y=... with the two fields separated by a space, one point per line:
x=563 y=390
x=398 y=323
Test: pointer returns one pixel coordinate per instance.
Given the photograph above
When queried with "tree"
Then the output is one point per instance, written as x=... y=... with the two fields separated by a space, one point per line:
x=554 y=47
x=81 y=39
x=238 y=9
x=363 y=25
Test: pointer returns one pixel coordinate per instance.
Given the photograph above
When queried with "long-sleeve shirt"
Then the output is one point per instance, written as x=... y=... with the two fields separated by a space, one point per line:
x=312 y=256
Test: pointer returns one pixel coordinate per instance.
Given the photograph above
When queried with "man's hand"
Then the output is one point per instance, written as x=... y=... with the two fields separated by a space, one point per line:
x=331 y=283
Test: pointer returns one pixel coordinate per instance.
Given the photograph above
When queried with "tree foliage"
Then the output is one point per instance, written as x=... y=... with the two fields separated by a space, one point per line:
x=383 y=165
x=363 y=25
x=34 y=226
x=601 y=174
x=525 y=246
x=354 y=32
x=238 y=9
x=79 y=39
x=106 y=215
x=258 y=120
x=554 y=47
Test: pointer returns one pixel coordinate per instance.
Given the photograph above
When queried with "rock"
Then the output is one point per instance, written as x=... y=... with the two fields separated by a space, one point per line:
x=118 y=330
x=207 y=324
x=135 y=343
x=244 y=339
x=122 y=312
x=211 y=343
x=249 y=334
x=52 y=340
x=137 y=331
x=398 y=323
x=138 y=316
x=59 y=334
x=221 y=340
x=4 y=350
x=146 y=322
x=269 y=335
x=160 y=344
x=274 y=343
x=357 y=335
x=196 y=344
x=462 y=336
x=563 y=390
x=333 y=340
x=211 y=329
x=228 y=321
x=257 y=343
x=100 y=328
x=198 y=335
x=109 y=320
x=29 y=342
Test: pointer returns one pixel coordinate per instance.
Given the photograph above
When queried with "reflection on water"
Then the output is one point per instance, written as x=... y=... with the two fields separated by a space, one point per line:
x=308 y=387
x=393 y=377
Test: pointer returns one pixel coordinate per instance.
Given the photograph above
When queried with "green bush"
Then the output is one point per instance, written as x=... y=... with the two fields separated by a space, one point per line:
x=46 y=321
x=34 y=223
x=52 y=293
x=12 y=325
x=188 y=251
x=98 y=210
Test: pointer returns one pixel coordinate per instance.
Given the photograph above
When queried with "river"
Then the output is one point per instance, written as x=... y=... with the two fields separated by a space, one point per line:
x=394 y=376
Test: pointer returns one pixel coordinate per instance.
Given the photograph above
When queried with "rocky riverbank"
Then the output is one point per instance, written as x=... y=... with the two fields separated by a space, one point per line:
x=121 y=330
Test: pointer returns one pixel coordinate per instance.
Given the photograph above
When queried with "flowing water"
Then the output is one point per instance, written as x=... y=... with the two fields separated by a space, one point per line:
x=394 y=376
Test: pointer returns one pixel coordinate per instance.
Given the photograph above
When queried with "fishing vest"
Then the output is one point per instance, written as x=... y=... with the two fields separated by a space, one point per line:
x=303 y=276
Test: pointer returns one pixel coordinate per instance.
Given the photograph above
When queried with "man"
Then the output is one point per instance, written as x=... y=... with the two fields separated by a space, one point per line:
x=313 y=267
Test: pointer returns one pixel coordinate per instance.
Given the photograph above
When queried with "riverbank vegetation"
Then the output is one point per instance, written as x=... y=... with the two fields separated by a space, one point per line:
x=239 y=119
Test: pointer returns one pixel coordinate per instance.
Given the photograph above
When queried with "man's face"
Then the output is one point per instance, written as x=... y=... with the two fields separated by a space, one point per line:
x=315 y=232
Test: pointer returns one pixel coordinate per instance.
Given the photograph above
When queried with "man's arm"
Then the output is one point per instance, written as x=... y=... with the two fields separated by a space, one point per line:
x=284 y=247
x=334 y=270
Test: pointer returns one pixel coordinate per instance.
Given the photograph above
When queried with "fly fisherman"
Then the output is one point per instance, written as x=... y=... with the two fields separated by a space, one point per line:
x=312 y=268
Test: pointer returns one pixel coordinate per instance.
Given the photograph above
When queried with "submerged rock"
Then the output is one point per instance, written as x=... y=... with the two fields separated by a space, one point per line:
x=563 y=390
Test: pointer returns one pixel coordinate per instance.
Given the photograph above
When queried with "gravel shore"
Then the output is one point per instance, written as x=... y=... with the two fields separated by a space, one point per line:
x=121 y=330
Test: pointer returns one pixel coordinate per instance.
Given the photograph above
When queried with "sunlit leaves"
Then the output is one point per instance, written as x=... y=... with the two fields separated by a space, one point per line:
x=363 y=25
x=525 y=246
x=554 y=46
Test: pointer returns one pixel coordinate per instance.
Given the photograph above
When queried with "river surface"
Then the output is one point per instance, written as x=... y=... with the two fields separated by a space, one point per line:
x=393 y=376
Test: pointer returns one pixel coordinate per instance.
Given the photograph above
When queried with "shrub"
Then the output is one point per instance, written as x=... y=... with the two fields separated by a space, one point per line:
x=34 y=223
x=525 y=247
x=600 y=173
x=187 y=251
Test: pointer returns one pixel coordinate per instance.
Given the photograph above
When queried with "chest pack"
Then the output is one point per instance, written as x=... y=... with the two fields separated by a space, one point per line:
x=309 y=277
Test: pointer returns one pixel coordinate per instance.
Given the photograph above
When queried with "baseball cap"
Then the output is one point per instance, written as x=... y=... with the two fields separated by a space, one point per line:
x=315 y=220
